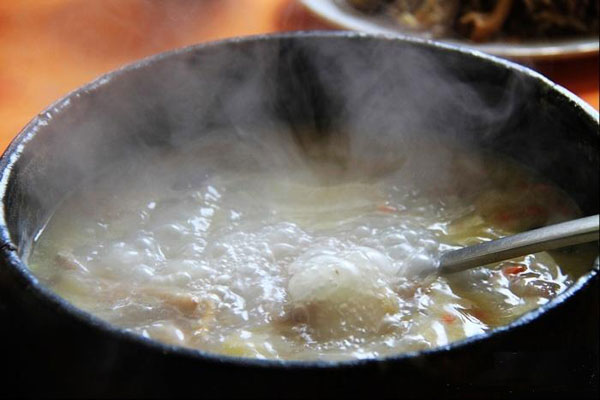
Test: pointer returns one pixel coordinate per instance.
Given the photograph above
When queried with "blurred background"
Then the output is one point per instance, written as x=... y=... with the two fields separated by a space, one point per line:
x=50 y=47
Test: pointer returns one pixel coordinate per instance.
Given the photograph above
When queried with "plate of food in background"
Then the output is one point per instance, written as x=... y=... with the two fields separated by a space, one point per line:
x=517 y=29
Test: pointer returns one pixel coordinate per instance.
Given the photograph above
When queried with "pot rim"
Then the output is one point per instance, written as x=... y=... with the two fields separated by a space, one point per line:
x=18 y=268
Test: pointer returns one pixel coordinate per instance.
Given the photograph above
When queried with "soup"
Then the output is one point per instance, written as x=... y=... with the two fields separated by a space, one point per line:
x=307 y=258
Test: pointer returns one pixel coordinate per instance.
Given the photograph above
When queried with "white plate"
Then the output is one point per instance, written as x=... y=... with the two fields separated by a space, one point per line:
x=342 y=15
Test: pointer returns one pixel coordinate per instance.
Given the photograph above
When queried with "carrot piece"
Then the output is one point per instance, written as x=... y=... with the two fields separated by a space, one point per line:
x=448 y=318
x=514 y=269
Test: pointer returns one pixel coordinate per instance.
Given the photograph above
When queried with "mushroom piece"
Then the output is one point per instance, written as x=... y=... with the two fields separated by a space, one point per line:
x=485 y=25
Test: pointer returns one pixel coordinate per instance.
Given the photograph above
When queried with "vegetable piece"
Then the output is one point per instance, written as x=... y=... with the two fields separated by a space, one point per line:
x=514 y=269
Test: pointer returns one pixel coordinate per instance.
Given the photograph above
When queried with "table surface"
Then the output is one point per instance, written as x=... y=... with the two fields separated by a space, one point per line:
x=50 y=47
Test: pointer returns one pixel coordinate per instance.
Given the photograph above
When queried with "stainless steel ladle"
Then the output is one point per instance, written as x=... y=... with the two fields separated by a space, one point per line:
x=582 y=230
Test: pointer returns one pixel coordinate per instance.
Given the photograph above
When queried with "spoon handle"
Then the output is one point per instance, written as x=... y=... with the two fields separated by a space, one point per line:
x=582 y=230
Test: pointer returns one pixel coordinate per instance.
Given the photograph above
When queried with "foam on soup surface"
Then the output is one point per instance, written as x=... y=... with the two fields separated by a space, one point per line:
x=310 y=262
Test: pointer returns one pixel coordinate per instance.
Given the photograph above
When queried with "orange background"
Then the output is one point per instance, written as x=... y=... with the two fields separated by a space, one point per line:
x=50 y=47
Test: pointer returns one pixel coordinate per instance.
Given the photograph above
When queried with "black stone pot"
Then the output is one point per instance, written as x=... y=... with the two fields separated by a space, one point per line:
x=308 y=82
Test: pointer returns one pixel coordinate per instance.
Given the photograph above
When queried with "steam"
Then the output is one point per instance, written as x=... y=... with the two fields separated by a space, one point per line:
x=369 y=109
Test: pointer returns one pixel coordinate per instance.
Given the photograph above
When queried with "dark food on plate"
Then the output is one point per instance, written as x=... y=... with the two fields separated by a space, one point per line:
x=484 y=20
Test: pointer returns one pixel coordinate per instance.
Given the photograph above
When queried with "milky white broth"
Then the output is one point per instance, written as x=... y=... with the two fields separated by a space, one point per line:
x=302 y=260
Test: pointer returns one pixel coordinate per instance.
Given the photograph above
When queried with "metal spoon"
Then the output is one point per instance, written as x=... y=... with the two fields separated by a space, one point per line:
x=550 y=237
